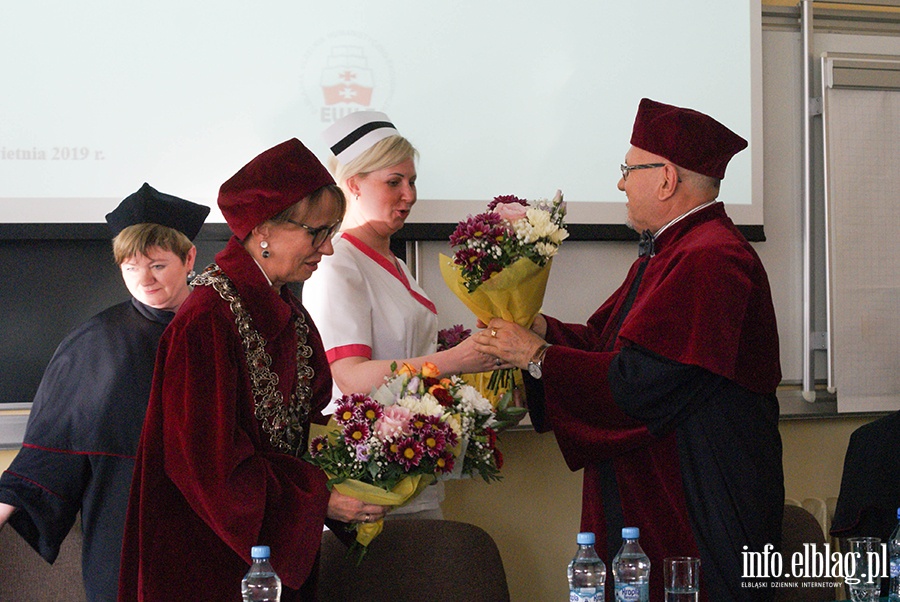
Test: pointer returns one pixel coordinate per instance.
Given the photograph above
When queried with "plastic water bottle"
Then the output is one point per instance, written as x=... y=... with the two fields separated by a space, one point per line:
x=587 y=573
x=894 y=555
x=261 y=584
x=631 y=569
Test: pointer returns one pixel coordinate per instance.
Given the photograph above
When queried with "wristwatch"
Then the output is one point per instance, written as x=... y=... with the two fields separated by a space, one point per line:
x=534 y=366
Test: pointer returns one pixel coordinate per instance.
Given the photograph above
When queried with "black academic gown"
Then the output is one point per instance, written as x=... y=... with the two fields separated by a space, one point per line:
x=870 y=484
x=81 y=440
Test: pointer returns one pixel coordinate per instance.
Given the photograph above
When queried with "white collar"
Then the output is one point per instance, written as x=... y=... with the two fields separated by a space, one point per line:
x=684 y=215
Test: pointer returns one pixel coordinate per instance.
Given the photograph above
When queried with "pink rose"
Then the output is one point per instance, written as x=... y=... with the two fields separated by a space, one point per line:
x=511 y=212
x=394 y=421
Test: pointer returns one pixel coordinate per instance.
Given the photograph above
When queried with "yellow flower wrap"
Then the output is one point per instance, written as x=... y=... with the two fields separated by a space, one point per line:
x=515 y=294
x=404 y=491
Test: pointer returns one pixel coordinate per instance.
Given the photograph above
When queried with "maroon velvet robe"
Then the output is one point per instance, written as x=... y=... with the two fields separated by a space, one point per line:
x=208 y=485
x=696 y=468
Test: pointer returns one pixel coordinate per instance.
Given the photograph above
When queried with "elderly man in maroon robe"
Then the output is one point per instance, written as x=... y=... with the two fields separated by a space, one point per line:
x=666 y=397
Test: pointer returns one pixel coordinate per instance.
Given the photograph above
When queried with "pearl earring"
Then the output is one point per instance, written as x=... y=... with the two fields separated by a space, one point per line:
x=265 y=247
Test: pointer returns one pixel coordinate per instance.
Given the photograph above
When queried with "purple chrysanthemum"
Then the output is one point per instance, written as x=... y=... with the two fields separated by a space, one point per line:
x=453 y=336
x=409 y=453
x=445 y=462
x=507 y=198
x=434 y=442
x=358 y=399
x=468 y=257
x=346 y=411
x=317 y=446
x=356 y=432
x=484 y=226
x=371 y=410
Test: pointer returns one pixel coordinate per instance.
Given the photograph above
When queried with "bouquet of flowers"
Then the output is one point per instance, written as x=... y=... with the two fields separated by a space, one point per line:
x=503 y=258
x=385 y=448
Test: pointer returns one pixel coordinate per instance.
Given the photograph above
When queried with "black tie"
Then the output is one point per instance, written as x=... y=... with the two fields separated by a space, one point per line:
x=645 y=246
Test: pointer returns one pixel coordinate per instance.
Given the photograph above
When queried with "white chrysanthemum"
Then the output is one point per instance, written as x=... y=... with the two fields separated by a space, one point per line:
x=427 y=405
x=542 y=225
x=545 y=249
x=473 y=401
x=454 y=424
x=559 y=235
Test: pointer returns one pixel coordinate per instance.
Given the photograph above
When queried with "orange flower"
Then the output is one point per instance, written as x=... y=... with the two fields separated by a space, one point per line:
x=430 y=370
x=407 y=369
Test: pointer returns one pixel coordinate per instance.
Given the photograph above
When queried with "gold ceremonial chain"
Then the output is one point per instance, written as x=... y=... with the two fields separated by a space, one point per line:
x=282 y=422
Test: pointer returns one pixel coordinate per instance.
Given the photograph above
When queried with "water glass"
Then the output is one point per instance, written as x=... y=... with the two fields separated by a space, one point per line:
x=681 y=575
x=864 y=580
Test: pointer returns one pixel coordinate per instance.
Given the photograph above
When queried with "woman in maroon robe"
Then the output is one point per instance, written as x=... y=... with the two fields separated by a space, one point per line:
x=240 y=374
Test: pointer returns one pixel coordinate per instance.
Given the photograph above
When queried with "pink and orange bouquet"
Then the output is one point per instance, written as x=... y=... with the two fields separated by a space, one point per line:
x=385 y=448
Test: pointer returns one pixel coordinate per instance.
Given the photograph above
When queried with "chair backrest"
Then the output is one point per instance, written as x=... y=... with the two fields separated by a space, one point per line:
x=443 y=561
x=800 y=527
x=24 y=575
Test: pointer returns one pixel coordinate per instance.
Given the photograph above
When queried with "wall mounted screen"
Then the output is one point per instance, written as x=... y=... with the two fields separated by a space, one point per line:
x=500 y=97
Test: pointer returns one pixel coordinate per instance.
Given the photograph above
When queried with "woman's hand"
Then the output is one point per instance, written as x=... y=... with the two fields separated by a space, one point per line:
x=512 y=344
x=348 y=509
x=5 y=512
x=466 y=358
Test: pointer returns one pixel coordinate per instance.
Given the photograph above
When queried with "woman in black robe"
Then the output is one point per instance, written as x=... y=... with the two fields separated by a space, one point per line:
x=83 y=430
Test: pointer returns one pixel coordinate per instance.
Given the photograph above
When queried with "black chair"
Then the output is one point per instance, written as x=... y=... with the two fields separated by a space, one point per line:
x=411 y=560
x=800 y=527
x=26 y=577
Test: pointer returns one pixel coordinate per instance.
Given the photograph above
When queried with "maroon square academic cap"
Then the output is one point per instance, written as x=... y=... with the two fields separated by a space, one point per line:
x=269 y=184
x=148 y=205
x=685 y=137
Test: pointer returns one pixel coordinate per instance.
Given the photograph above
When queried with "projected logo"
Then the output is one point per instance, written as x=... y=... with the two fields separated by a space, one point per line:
x=346 y=72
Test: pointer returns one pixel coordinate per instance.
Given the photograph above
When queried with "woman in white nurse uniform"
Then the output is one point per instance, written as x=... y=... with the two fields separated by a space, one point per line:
x=370 y=311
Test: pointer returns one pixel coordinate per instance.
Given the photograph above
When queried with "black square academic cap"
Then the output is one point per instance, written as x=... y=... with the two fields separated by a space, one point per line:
x=148 y=205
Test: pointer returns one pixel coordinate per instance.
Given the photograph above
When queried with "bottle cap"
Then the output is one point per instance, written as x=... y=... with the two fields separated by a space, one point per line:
x=631 y=533
x=585 y=539
x=259 y=552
